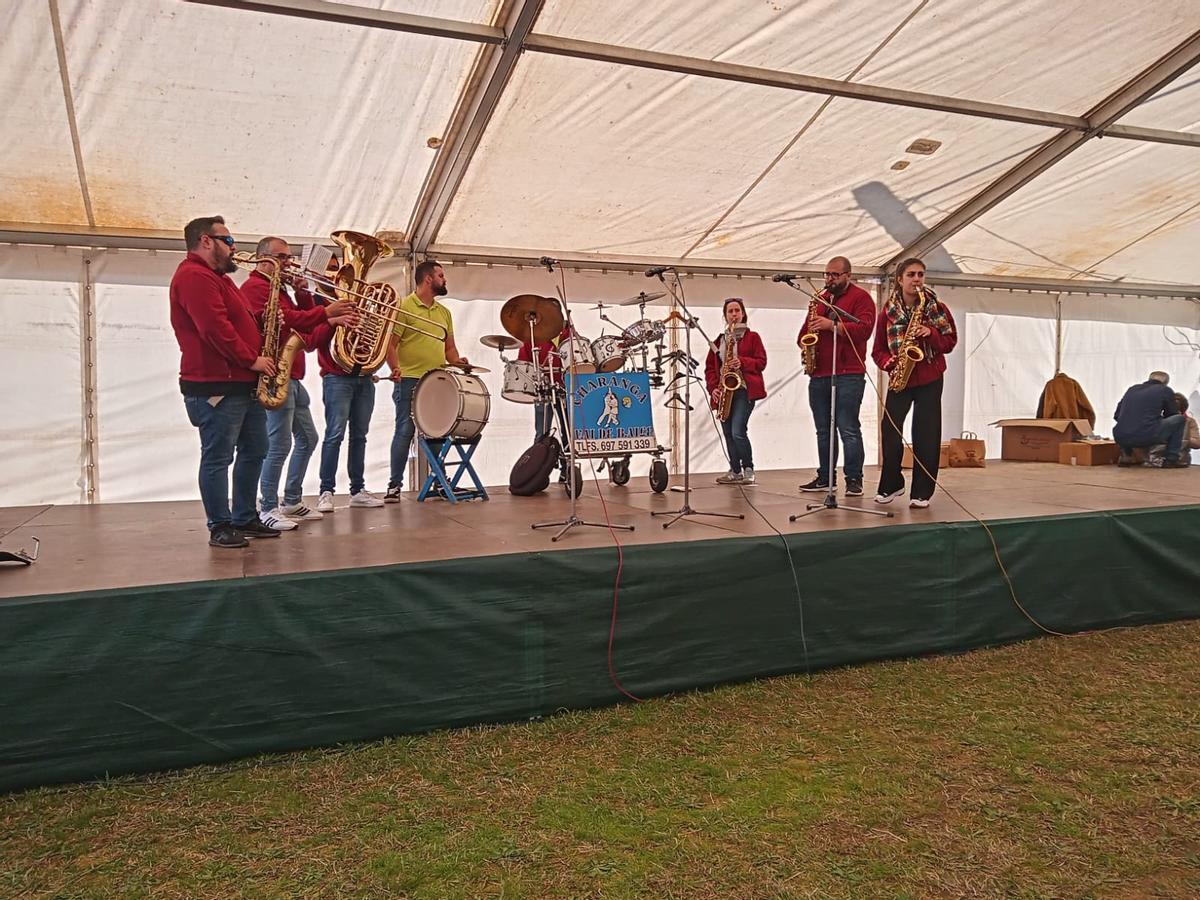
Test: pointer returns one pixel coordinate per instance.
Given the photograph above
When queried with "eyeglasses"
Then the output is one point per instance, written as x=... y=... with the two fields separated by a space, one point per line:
x=226 y=239
x=835 y=274
x=283 y=257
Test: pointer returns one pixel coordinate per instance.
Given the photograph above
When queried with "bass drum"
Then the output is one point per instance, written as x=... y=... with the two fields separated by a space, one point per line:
x=448 y=403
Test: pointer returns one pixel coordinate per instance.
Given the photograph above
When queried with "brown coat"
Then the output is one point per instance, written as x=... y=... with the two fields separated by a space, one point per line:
x=1063 y=398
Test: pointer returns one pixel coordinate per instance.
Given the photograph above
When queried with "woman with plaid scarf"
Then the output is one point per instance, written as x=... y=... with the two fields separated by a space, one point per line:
x=936 y=336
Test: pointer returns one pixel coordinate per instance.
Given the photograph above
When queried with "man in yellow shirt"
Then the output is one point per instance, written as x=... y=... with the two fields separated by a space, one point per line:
x=411 y=355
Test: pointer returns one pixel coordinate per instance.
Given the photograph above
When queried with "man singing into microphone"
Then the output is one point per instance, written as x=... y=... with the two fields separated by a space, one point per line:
x=850 y=368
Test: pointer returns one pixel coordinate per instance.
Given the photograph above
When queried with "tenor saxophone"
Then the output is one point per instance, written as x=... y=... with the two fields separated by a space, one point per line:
x=730 y=380
x=910 y=351
x=272 y=390
x=809 y=339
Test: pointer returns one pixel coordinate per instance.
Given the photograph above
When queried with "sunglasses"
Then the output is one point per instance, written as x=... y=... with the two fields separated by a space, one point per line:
x=226 y=239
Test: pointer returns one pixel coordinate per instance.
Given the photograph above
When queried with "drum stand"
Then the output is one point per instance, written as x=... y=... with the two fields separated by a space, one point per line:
x=830 y=501
x=573 y=471
x=686 y=510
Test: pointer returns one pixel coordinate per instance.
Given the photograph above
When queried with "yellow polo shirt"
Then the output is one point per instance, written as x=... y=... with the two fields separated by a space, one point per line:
x=418 y=353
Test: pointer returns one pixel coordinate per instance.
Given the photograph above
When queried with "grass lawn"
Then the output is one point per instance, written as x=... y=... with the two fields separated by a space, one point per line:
x=1058 y=767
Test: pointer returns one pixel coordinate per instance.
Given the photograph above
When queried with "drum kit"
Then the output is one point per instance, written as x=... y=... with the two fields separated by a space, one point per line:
x=536 y=320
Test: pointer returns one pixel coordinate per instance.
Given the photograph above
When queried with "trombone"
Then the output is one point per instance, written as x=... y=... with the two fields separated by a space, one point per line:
x=364 y=293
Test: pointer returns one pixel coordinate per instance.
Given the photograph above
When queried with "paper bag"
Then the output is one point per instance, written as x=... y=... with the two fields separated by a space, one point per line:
x=967 y=451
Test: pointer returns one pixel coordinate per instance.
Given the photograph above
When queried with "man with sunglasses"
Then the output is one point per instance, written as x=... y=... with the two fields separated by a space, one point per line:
x=850 y=370
x=219 y=344
x=290 y=428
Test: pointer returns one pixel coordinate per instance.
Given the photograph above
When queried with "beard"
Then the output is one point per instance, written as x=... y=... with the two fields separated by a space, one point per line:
x=838 y=289
x=440 y=290
x=228 y=266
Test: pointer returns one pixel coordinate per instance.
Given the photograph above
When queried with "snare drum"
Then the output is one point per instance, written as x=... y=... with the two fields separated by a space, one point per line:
x=608 y=354
x=448 y=403
x=585 y=363
x=646 y=331
x=520 y=381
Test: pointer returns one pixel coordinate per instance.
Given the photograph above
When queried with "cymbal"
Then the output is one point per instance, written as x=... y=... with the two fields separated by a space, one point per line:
x=499 y=341
x=470 y=369
x=544 y=312
x=642 y=298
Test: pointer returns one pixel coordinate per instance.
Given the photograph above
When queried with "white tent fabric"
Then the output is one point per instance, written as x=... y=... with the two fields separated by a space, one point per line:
x=126 y=120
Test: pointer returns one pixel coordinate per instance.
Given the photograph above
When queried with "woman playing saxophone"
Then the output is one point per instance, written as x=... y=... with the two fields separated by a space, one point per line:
x=738 y=352
x=913 y=334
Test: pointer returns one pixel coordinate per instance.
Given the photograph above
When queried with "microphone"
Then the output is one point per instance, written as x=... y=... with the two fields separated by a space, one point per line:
x=549 y=262
x=783 y=276
x=657 y=270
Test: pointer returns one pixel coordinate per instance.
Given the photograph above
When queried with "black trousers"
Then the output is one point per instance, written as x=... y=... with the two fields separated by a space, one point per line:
x=926 y=404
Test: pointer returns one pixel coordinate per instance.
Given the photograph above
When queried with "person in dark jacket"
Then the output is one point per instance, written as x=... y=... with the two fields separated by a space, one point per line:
x=1147 y=415
x=750 y=358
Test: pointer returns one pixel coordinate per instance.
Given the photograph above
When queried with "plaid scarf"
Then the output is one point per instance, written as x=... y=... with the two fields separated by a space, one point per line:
x=897 y=315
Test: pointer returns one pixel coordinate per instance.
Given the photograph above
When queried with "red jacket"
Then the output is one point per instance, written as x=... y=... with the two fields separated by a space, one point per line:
x=927 y=370
x=852 y=353
x=753 y=354
x=301 y=315
x=218 y=337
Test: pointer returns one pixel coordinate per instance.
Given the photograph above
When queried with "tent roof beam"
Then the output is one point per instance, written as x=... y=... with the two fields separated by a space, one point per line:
x=704 y=68
x=469 y=122
x=1134 y=92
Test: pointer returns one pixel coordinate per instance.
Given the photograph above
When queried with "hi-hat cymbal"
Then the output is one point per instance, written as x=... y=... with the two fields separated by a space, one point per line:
x=499 y=341
x=543 y=312
x=470 y=368
x=642 y=298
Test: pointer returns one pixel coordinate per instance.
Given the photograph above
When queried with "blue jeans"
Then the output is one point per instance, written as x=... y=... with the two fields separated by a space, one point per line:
x=348 y=399
x=235 y=422
x=402 y=394
x=293 y=419
x=849 y=399
x=1170 y=432
x=737 y=439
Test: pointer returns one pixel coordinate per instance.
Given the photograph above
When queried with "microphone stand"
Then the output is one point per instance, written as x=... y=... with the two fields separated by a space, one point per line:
x=689 y=322
x=574 y=472
x=830 y=501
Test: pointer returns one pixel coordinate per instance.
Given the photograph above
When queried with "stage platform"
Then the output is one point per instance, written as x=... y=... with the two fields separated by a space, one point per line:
x=131 y=645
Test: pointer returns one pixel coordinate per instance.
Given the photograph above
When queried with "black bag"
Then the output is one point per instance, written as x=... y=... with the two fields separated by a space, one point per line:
x=531 y=473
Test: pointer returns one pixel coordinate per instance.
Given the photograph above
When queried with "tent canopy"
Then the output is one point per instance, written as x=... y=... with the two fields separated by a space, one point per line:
x=1005 y=142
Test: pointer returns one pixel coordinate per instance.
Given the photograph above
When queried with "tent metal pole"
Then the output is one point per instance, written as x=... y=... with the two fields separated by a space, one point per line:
x=90 y=457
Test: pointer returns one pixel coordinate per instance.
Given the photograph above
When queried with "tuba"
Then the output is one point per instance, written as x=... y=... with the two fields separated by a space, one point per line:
x=730 y=380
x=910 y=351
x=363 y=349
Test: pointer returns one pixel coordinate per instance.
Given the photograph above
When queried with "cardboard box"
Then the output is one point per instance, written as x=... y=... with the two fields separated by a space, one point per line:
x=1088 y=453
x=1037 y=440
x=906 y=462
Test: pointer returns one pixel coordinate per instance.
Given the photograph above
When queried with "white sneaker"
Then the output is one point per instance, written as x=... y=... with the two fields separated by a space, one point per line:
x=730 y=478
x=301 y=513
x=888 y=498
x=918 y=504
x=274 y=518
x=747 y=476
x=325 y=502
x=365 y=499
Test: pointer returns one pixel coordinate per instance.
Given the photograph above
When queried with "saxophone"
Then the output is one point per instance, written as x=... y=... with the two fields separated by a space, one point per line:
x=809 y=339
x=730 y=380
x=272 y=390
x=910 y=351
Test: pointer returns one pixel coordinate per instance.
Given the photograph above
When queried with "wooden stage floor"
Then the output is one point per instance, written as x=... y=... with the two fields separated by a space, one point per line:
x=132 y=544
